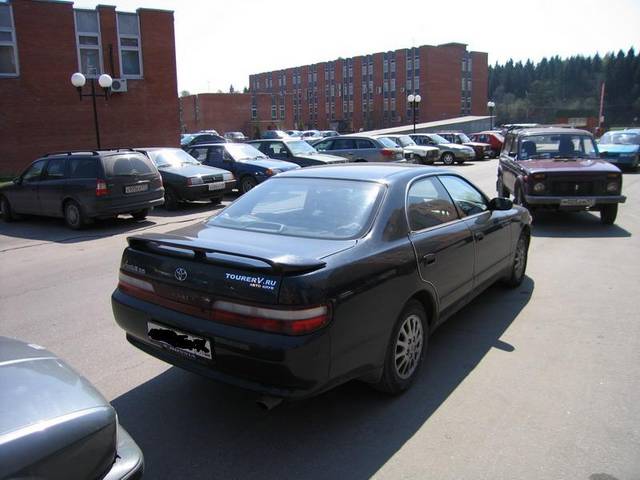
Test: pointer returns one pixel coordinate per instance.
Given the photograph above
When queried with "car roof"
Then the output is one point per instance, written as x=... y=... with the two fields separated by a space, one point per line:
x=550 y=131
x=372 y=172
x=91 y=153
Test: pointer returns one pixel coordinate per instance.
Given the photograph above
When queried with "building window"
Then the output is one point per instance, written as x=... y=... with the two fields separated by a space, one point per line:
x=8 y=45
x=129 y=43
x=88 y=42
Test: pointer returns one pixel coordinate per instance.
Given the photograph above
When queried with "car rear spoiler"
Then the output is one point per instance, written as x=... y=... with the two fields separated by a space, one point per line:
x=179 y=246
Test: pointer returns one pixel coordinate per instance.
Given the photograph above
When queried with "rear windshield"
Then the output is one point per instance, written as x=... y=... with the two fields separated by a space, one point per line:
x=127 y=164
x=387 y=142
x=621 y=138
x=303 y=207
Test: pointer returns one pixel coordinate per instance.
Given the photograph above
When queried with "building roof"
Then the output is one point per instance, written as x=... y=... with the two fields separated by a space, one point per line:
x=448 y=123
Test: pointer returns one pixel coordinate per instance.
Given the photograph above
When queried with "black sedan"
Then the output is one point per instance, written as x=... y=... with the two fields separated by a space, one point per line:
x=319 y=276
x=186 y=179
x=295 y=151
x=55 y=424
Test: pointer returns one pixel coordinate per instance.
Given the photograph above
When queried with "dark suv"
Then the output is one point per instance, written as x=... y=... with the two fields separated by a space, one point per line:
x=558 y=168
x=82 y=186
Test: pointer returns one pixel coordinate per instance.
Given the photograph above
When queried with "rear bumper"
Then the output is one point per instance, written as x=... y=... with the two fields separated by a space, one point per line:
x=106 y=208
x=597 y=200
x=279 y=365
x=129 y=462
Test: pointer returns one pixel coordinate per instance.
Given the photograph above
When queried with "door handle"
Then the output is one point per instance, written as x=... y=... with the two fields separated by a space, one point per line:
x=429 y=259
x=479 y=236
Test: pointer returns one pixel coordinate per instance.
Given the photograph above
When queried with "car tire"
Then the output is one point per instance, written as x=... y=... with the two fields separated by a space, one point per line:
x=448 y=158
x=215 y=200
x=501 y=189
x=73 y=215
x=5 y=209
x=170 y=199
x=519 y=265
x=247 y=183
x=140 y=214
x=401 y=367
x=608 y=214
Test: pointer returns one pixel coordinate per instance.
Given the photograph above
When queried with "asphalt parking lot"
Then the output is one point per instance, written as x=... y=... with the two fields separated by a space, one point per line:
x=537 y=382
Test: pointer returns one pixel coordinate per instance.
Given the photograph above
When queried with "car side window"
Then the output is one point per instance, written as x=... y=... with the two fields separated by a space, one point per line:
x=325 y=145
x=343 y=144
x=199 y=154
x=428 y=204
x=216 y=154
x=56 y=168
x=362 y=143
x=34 y=172
x=83 y=168
x=466 y=197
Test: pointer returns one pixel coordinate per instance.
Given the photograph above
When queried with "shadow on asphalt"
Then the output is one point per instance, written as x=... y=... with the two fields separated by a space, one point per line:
x=190 y=427
x=574 y=225
x=50 y=229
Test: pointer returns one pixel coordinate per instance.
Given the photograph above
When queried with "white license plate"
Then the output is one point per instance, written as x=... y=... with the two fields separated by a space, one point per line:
x=179 y=342
x=577 y=202
x=216 y=186
x=142 y=187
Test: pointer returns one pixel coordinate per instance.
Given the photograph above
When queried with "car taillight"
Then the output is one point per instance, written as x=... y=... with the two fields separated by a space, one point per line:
x=387 y=152
x=288 y=321
x=129 y=281
x=101 y=188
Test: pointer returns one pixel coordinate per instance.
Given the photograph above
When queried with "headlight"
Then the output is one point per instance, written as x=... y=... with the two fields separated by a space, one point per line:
x=272 y=171
x=228 y=177
x=612 y=187
x=195 y=181
x=539 y=187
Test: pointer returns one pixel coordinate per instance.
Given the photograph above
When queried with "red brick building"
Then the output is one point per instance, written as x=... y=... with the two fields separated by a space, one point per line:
x=42 y=43
x=370 y=91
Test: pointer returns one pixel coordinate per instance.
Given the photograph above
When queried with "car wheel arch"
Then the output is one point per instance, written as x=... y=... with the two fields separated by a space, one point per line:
x=65 y=201
x=429 y=303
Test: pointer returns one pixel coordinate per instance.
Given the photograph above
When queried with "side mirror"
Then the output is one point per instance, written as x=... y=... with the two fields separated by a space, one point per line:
x=17 y=180
x=500 y=203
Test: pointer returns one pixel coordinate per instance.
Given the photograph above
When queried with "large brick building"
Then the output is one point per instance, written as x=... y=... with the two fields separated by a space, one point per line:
x=42 y=43
x=370 y=91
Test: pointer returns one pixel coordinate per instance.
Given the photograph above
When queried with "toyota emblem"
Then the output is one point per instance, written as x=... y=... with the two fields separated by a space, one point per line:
x=180 y=274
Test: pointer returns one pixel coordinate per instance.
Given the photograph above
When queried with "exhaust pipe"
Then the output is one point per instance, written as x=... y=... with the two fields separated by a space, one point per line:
x=269 y=403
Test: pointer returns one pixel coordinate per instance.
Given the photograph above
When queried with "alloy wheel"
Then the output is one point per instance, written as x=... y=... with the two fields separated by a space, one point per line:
x=408 y=347
x=520 y=260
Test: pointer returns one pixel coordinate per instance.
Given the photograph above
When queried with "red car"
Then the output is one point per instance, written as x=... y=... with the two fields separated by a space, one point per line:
x=493 y=138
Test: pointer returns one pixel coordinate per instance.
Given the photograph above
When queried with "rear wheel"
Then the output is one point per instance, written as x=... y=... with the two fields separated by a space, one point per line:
x=519 y=265
x=73 y=216
x=247 y=184
x=406 y=349
x=448 y=158
x=140 y=214
x=608 y=214
x=5 y=209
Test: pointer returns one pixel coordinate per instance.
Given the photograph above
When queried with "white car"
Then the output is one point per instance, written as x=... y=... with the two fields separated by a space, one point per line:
x=412 y=151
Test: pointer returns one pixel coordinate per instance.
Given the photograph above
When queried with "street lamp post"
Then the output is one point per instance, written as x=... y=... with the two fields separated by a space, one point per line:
x=491 y=105
x=414 y=101
x=78 y=80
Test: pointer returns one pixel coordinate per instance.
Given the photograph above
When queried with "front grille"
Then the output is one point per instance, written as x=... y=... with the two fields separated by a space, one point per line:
x=578 y=188
x=211 y=178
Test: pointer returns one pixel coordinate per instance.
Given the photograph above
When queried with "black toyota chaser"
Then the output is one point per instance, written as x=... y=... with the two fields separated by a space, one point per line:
x=319 y=276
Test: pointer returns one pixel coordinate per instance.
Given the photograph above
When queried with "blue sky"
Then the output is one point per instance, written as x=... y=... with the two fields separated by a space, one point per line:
x=219 y=43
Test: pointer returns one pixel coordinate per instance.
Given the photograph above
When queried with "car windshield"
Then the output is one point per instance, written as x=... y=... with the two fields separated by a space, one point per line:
x=562 y=146
x=464 y=138
x=438 y=139
x=172 y=157
x=242 y=151
x=405 y=141
x=387 y=142
x=301 y=147
x=621 y=138
x=305 y=207
x=311 y=133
